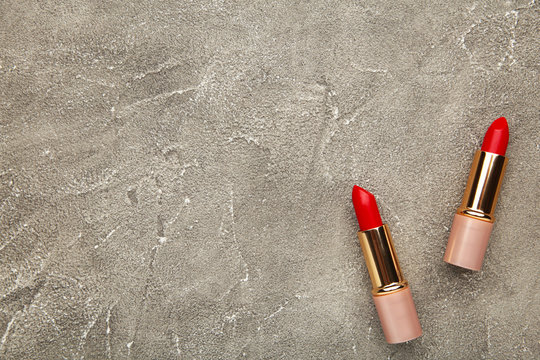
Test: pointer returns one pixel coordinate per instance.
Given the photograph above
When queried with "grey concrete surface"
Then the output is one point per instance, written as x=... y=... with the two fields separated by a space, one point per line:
x=175 y=176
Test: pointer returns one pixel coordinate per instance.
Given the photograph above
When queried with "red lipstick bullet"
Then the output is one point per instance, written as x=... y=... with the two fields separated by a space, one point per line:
x=474 y=219
x=496 y=138
x=366 y=209
x=391 y=292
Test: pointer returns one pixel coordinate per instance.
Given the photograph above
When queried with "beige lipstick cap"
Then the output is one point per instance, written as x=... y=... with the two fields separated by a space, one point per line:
x=468 y=242
x=398 y=316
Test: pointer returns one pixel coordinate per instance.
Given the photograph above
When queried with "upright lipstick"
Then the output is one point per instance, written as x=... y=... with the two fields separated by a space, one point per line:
x=474 y=219
x=391 y=292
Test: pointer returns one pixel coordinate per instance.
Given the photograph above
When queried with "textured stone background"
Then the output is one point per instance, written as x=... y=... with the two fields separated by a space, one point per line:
x=175 y=177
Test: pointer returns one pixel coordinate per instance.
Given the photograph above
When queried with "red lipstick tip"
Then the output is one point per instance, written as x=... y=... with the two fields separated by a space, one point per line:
x=496 y=138
x=366 y=208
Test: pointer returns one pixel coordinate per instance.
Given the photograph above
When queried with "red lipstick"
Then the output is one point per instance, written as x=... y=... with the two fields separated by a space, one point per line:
x=474 y=218
x=366 y=209
x=496 y=138
x=391 y=292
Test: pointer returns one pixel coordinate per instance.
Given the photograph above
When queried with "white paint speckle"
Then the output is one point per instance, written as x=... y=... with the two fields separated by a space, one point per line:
x=128 y=345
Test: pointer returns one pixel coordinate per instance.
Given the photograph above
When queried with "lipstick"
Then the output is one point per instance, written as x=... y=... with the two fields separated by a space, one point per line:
x=391 y=292
x=474 y=218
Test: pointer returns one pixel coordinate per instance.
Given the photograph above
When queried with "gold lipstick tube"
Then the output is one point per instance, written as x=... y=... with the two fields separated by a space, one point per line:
x=381 y=260
x=474 y=219
x=391 y=292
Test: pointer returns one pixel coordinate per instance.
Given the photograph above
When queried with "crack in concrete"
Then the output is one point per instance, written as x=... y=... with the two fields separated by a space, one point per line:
x=158 y=97
x=4 y=339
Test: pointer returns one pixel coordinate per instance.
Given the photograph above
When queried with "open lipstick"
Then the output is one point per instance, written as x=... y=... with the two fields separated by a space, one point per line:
x=474 y=219
x=391 y=292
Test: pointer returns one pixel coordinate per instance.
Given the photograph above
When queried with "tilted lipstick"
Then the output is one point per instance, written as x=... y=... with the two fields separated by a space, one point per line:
x=391 y=292
x=474 y=219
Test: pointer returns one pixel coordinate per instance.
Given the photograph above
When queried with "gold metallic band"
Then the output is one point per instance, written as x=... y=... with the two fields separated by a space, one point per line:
x=483 y=186
x=381 y=260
